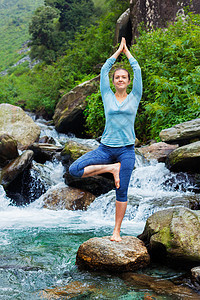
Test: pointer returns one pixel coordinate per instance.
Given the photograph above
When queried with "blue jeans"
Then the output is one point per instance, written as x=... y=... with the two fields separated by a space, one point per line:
x=107 y=155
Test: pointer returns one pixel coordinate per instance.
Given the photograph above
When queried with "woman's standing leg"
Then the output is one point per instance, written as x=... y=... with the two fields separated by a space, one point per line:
x=127 y=160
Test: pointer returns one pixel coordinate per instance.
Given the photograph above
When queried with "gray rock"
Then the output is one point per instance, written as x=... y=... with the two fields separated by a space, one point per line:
x=158 y=13
x=182 y=132
x=68 y=116
x=15 y=122
x=174 y=233
x=158 y=151
x=67 y=198
x=16 y=167
x=8 y=149
x=103 y=254
x=73 y=150
x=44 y=151
x=185 y=158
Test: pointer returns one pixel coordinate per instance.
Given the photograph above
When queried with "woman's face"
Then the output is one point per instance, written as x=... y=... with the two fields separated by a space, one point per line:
x=121 y=79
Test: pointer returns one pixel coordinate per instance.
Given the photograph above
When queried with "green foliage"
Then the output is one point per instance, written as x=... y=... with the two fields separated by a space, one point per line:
x=170 y=62
x=56 y=23
x=95 y=114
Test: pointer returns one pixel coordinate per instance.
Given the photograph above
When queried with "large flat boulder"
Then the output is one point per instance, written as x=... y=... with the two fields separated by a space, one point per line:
x=181 y=133
x=68 y=116
x=185 y=158
x=103 y=254
x=174 y=233
x=15 y=122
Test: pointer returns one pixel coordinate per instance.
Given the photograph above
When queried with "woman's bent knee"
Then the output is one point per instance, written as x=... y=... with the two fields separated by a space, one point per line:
x=74 y=171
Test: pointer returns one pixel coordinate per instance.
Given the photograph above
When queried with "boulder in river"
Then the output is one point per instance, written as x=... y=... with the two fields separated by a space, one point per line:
x=67 y=198
x=174 y=233
x=103 y=254
x=185 y=158
x=158 y=151
x=68 y=116
x=182 y=133
x=16 y=167
x=73 y=150
x=15 y=122
x=8 y=149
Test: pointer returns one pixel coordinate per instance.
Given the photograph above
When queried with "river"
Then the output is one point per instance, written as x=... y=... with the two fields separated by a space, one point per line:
x=38 y=246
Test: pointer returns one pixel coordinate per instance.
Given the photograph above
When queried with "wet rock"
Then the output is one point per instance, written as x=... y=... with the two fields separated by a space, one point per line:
x=68 y=116
x=185 y=158
x=26 y=187
x=158 y=286
x=44 y=151
x=158 y=151
x=182 y=133
x=97 y=185
x=196 y=274
x=8 y=149
x=102 y=254
x=15 y=122
x=174 y=233
x=47 y=139
x=73 y=150
x=72 y=290
x=67 y=198
x=13 y=169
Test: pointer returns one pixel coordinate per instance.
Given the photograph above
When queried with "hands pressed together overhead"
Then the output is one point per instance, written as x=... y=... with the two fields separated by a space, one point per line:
x=122 y=49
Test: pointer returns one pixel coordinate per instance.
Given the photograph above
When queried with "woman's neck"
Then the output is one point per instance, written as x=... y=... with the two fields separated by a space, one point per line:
x=121 y=96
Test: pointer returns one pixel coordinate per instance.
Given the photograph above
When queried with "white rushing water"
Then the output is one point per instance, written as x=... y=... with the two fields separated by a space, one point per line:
x=147 y=194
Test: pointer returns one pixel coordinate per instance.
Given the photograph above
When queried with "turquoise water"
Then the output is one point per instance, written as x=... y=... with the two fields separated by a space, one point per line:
x=34 y=259
x=38 y=246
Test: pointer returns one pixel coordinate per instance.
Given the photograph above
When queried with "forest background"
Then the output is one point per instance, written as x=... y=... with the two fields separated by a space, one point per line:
x=72 y=39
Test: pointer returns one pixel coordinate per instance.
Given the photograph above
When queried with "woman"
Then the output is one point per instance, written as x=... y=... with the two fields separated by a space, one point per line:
x=116 y=151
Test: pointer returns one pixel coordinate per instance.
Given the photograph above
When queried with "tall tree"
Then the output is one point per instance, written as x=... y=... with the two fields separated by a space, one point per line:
x=73 y=14
x=45 y=35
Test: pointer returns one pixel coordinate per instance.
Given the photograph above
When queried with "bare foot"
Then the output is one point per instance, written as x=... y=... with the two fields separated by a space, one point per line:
x=116 y=237
x=116 y=174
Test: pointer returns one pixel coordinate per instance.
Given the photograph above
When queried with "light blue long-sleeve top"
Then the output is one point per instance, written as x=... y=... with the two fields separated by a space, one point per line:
x=120 y=117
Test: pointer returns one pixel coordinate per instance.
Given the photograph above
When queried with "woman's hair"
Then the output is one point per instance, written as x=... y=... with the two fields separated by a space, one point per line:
x=129 y=76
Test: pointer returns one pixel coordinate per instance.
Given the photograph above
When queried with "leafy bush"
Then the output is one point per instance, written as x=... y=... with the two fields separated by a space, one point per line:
x=170 y=62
